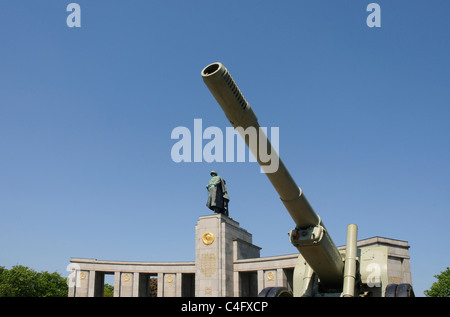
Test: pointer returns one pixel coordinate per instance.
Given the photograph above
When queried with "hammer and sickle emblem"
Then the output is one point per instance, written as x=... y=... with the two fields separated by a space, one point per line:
x=208 y=238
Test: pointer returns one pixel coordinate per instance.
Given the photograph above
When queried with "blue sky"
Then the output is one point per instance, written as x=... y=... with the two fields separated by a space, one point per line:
x=86 y=116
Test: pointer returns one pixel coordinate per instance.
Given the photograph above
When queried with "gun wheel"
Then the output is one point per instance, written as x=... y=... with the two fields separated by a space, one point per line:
x=275 y=292
x=399 y=290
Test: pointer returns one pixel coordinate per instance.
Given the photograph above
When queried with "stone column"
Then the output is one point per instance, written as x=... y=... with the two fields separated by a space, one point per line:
x=170 y=285
x=136 y=279
x=260 y=276
x=117 y=277
x=214 y=254
x=126 y=285
x=270 y=278
x=160 y=285
x=82 y=284
x=178 y=285
x=237 y=285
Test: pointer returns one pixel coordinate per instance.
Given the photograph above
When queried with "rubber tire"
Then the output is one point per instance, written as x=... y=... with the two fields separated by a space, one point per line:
x=405 y=290
x=399 y=290
x=391 y=290
x=275 y=292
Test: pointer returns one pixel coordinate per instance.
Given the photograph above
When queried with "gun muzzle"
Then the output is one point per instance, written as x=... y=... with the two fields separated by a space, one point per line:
x=229 y=97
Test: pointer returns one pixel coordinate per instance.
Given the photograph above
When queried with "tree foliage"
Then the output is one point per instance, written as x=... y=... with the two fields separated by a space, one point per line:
x=108 y=290
x=153 y=287
x=441 y=288
x=21 y=281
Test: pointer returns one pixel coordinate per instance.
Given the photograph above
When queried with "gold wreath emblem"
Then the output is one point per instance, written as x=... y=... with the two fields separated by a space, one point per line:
x=169 y=278
x=82 y=275
x=270 y=276
x=126 y=277
x=208 y=238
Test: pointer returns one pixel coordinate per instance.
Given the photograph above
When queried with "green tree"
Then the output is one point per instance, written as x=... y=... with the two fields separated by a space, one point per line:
x=21 y=281
x=51 y=285
x=108 y=290
x=441 y=288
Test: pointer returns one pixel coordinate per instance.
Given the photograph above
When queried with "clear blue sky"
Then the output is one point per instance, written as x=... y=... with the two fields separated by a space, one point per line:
x=86 y=116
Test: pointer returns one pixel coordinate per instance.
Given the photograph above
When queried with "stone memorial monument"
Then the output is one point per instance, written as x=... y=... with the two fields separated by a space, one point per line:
x=227 y=263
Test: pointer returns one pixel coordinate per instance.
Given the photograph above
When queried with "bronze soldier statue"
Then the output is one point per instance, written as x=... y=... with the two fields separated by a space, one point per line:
x=218 y=195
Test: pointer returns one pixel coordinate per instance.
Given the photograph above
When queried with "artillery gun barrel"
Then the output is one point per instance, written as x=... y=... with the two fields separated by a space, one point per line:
x=310 y=236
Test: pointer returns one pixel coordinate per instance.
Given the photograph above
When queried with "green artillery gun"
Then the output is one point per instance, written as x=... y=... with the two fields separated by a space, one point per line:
x=321 y=269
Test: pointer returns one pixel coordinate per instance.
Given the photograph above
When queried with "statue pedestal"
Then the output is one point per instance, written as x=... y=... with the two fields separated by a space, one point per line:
x=219 y=241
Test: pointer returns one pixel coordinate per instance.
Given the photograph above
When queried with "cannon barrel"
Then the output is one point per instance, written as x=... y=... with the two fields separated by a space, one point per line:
x=309 y=236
